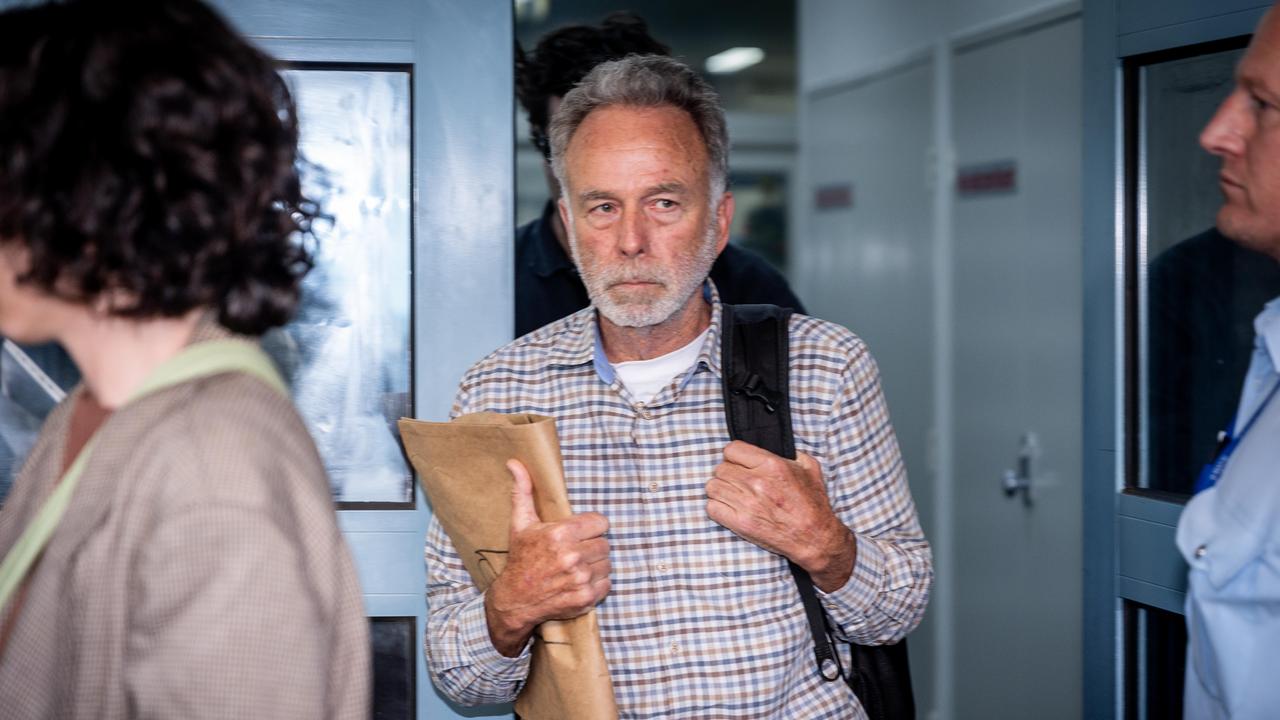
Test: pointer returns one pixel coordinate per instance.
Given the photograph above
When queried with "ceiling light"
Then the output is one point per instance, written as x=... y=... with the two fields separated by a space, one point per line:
x=532 y=11
x=734 y=59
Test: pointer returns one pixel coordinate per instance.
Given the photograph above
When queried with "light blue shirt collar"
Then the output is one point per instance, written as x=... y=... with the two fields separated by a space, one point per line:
x=1261 y=376
x=600 y=361
x=1267 y=326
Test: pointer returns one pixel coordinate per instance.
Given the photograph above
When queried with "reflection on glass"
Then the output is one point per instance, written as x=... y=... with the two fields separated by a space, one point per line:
x=1203 y=290
x=32 y=381
x=347 y=353
x=394 y=675
x=1179 y=97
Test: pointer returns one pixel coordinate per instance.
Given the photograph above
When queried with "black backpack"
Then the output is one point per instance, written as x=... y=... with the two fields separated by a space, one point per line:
x=755 y=359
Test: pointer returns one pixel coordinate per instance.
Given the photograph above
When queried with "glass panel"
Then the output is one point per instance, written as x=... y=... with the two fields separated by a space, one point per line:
x=1155 y=657
x=32 y=381
x=760 y=214
x=1203 y=290
x=1179 y=97
x=347 y=353
x=394 y=675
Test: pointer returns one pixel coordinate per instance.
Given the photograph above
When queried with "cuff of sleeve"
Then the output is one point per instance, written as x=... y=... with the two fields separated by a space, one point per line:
x=849 y=604
x=475 y=638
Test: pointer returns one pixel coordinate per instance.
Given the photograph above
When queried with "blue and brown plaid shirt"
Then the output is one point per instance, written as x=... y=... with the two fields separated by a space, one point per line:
x=699 y=623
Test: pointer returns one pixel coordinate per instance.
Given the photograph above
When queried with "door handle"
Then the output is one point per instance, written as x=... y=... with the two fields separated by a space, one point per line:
x=1018 y=481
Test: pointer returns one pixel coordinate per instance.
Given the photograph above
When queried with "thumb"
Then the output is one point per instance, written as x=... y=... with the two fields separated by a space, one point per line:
x=812 y=469
x=523 y=512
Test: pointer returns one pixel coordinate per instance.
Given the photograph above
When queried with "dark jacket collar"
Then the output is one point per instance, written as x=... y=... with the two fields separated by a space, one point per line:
x=545 y=254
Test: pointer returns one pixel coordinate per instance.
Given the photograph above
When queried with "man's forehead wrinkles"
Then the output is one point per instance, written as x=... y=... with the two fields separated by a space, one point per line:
x=666 y=188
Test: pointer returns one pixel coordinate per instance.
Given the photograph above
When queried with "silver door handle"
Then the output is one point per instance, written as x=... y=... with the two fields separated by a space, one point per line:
x=1018 y=482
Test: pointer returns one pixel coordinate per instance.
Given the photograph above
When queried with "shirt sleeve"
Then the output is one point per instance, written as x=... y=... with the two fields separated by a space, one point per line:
x=888 y=591
x=461 y=657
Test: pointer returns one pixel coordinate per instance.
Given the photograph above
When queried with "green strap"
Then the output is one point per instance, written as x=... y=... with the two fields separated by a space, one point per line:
x=200 y=360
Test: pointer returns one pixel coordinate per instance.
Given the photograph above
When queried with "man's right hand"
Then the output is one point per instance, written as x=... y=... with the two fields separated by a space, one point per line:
x=555 y=570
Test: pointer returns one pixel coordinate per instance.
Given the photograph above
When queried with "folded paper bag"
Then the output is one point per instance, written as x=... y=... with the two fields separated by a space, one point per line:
x=462 y=467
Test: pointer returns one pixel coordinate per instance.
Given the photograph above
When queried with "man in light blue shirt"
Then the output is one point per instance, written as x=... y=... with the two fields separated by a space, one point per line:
x=1229 y=532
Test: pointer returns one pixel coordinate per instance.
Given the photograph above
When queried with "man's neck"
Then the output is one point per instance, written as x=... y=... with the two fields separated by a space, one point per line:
x=625 y=344
x=116 y=355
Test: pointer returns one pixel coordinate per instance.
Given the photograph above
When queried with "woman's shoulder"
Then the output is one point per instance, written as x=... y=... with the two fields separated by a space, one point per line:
x=229 y=437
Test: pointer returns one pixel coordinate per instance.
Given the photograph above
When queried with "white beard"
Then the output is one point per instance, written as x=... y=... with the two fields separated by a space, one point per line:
x=677 y=285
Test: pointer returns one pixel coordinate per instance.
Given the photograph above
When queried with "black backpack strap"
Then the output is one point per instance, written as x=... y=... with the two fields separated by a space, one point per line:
x=754 y=364
x=754 y=360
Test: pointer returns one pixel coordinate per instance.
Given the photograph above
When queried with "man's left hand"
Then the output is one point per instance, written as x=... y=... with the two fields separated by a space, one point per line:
x=781 y=505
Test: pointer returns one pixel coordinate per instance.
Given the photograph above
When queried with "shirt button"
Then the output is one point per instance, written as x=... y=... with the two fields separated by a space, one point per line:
x=653 y=487
x=1201 y=551
x=663 y=567
x=675 y=648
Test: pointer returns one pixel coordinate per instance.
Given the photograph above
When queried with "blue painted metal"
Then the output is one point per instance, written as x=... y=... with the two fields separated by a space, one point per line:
x=1133 y=16
x=1128 y=548
x=1217 y=27
x=1100 y=198
x=463 y=163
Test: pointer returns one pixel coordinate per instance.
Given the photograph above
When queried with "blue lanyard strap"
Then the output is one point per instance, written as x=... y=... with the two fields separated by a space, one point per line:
x=1212 y=472
x=1237 y=437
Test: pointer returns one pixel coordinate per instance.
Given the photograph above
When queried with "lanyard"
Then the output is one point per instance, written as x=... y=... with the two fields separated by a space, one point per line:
x=1212 y=471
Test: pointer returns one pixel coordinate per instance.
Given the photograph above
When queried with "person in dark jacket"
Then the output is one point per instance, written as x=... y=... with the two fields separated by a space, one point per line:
x=547 y=283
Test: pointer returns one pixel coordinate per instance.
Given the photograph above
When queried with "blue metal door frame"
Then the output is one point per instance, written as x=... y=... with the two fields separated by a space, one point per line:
x=463 y=175
x=1128 y=536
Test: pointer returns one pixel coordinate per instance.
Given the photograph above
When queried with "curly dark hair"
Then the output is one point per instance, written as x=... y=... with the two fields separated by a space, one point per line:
x=149 y=162
x=564 y=56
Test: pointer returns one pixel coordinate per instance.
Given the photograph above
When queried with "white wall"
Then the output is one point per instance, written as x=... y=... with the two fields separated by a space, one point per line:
x=840 y=39
x=856 y=48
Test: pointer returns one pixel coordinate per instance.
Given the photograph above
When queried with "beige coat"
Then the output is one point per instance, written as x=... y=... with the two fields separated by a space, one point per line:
x=198 y=573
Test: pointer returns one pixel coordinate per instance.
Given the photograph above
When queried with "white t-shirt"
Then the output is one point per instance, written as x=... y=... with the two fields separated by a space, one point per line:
x=644 y=379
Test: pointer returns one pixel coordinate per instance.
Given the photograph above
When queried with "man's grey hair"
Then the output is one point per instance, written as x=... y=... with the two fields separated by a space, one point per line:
x=645 y=81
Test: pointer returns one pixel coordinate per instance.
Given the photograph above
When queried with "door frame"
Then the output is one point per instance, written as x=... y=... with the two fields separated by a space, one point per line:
x=463 y=228
x=1129 y=550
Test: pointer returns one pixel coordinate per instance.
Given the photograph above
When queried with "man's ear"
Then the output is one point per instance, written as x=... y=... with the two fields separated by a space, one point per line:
x=724 y=221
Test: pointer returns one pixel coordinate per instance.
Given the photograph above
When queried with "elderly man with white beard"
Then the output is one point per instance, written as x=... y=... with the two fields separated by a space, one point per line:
x=683 y=537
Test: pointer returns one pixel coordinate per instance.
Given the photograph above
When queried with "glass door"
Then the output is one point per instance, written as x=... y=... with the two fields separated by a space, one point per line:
x=413 y=157
x=1169 y=307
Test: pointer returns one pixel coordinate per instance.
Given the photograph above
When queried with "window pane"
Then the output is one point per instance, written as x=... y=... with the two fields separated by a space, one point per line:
x=1202 y=290
x=394 y=676
x=32 y=381
x=1155 y=656
x=760 y=214
x=346 y=354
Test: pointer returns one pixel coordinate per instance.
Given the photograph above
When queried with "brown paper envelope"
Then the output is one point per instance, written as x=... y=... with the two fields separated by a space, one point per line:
x=462 y=467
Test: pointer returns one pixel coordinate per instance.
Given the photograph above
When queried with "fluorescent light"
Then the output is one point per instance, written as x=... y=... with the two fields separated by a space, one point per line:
x=734 y=59
x=532 y=10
